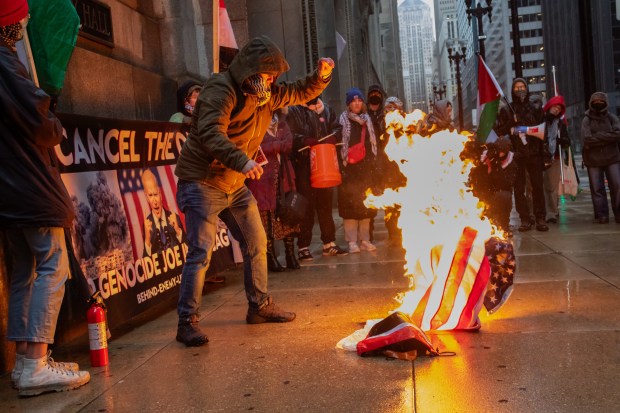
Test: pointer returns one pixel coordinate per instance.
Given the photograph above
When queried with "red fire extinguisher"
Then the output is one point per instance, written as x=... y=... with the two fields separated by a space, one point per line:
x=97 y=331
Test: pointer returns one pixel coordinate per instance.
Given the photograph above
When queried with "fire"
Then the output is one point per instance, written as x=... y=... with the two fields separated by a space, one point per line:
x=436 y=211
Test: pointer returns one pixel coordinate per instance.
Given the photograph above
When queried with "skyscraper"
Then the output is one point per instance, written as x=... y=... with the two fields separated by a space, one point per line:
x=416 y=40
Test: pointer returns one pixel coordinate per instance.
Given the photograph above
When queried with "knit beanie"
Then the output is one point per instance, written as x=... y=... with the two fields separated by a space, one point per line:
x=352 y=94
x=12 y=11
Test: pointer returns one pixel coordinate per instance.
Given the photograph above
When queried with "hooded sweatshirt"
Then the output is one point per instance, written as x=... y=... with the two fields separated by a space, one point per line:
x=377 y=116
x=439 y=119
x=527 y=114
x=229 y=124
x=600 y=134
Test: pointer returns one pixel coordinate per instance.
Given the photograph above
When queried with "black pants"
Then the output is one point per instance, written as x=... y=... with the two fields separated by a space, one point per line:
x=320 y=201
x=533 y=166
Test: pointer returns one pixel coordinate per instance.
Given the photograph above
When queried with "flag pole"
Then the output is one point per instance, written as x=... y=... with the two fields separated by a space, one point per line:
x=555 y=85
x=33 y=68
x=216 y=36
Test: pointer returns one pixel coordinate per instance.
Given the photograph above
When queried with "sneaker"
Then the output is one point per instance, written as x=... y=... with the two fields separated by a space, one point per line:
x=333 y=249
x=367 y=246
x=525 y=226
x=353 y=248
x=215 y=279
x=190 y=334
x=38 y=376
x=269 y=313
x=304 y=255
x=19 y=366
x=541 y=225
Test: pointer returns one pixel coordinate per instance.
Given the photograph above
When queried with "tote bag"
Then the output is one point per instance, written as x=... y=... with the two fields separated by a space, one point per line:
x=568 y=179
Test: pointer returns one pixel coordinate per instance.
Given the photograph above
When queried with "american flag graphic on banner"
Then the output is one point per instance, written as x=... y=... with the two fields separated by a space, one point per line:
x=503 y=267
x=135 y=202
x=454 y=298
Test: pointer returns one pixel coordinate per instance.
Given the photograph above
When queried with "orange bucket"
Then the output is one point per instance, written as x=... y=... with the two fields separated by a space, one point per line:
x=324 y=170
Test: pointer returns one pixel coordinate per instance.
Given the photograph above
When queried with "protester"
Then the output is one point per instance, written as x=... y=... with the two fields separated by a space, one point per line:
x=277 y=144
x=556 y=139
x=375 y=98
x=310 y=123
x=528 y=154
x=186 y=100
x=162 y=229
x=35 y=211
x=358 y=168
x=232 y=112
x=600 y=135
x=440 y=118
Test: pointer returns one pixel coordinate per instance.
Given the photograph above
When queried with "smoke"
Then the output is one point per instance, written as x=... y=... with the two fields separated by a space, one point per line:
x=101 y=225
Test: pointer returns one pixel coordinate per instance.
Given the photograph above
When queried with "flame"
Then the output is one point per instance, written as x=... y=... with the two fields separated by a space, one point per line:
x=435 y=205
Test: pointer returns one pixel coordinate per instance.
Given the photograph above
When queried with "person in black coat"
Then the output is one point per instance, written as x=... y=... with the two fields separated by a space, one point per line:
x=35 y=212
x=529 y=154
x=600 y=134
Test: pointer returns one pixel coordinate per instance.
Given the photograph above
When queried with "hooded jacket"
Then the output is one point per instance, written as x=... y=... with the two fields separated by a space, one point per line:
x=228 y=125
x=528 y=114
x=31 y=191
x=439 y=119
x=377 y=116
x=600 y=135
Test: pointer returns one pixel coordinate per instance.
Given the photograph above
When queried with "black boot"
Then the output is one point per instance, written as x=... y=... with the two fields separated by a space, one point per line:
x=272 y=262
x=289 y=252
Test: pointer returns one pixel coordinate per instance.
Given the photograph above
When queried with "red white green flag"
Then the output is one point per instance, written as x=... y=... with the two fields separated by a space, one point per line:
x=225 y=46
x=489 y=94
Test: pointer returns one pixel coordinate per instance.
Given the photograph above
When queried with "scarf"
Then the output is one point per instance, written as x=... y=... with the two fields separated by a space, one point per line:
x=256 y=86
x=363 y=119
x=11 y=34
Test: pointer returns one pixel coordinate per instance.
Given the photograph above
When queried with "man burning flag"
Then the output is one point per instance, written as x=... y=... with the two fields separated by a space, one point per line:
x=489 y=94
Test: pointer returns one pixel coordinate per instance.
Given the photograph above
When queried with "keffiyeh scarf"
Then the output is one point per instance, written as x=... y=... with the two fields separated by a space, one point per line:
x=363 y=119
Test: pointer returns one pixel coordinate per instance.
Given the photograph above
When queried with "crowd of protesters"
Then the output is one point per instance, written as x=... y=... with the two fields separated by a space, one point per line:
x=242 y=113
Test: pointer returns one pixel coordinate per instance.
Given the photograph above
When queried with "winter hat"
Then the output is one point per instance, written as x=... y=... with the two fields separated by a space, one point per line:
x=352 y=94
x=556 y=100
x=12 y=11
x=395 y=101
x=517 y=80
x=184 y=91
x=601 y=96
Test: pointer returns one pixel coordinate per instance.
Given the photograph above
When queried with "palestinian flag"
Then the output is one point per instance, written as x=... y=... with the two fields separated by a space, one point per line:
x=226 y=44
x=489 y=94
x=53 y=30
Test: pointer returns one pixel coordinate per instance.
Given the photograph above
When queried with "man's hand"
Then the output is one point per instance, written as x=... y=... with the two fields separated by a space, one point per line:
x=325 y=67
x=148 y=230
x=252 y=170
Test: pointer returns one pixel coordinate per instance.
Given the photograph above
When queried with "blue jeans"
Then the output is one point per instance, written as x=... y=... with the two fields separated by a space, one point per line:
x=597 y=176
x=202 y=205
x=40 y=267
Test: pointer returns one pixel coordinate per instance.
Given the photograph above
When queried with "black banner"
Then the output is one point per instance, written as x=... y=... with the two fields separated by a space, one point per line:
x=129 y=235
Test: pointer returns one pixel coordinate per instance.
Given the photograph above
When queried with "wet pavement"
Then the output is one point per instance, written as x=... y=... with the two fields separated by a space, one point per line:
x=554 y=347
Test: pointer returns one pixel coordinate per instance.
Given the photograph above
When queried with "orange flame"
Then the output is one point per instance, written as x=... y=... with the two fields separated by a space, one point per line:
x=435 y=205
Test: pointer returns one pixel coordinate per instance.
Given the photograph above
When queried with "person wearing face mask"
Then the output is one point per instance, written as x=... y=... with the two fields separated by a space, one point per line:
x=35 y=211
x=187 y=94
x=375 y=98
x=556 y=139
x=310 y=123
x=529 y=154
x=600 y=135
x=232 y=113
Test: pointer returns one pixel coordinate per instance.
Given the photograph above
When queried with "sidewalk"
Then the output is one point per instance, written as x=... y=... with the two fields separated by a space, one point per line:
x=554 y=347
